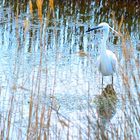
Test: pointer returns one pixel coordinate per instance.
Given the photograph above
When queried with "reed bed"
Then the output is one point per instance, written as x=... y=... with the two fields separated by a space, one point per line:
x=50 y=86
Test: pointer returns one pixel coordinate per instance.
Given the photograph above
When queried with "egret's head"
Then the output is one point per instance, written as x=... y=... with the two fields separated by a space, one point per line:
x=104 y=29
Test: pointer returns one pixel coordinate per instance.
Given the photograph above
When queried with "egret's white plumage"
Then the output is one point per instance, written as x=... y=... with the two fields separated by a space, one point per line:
x=107 y=61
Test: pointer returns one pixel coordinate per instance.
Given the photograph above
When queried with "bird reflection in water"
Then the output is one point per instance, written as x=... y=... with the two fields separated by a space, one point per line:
x=106 y=107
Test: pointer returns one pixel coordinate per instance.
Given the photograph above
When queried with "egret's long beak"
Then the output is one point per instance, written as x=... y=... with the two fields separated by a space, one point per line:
x=115 y=31
x=95 y=28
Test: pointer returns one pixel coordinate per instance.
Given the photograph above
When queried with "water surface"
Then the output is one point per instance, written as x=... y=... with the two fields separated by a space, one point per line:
x=46 y=54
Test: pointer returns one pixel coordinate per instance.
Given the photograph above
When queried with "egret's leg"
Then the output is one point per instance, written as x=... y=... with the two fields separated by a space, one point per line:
x=112 y=79
x=102 y=82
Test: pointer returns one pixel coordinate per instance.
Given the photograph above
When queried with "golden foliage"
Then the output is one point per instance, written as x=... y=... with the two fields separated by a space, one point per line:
x=51 y=4
x=81 y=53
x=31 y=7
x=26 y=25
x=39 y=4
x=121 y=23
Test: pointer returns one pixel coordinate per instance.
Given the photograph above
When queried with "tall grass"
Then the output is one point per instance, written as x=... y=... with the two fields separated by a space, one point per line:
x=30 y=108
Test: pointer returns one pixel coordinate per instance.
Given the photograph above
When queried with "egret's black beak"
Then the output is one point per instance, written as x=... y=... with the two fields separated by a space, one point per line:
x=95 y=28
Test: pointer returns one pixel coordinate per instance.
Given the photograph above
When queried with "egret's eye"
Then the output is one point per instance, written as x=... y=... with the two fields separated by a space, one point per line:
x=99 y=31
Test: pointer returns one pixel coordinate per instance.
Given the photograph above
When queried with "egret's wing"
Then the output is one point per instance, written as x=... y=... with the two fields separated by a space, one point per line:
x=114 y=63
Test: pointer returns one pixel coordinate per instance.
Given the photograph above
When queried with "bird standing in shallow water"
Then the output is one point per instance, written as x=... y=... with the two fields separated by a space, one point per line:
x=107 y=61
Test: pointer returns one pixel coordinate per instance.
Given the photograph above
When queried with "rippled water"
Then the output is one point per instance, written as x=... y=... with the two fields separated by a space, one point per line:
x=47 y=53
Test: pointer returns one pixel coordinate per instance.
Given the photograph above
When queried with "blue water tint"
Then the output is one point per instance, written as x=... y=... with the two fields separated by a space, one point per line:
x=55 y=59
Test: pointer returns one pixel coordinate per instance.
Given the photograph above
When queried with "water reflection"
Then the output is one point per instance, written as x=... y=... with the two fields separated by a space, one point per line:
x=34 y=32
x=39 y=43
x=106 y=104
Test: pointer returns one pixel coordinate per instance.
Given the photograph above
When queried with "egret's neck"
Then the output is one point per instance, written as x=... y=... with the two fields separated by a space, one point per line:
x=103 y=47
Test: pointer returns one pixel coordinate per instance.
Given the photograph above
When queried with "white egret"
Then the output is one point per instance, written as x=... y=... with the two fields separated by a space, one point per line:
x=107 y=61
